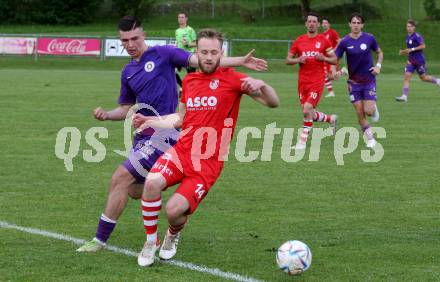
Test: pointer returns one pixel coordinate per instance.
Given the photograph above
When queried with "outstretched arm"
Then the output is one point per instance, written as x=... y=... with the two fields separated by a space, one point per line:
x=260 y=91
x=118 y=113
x=247 y=61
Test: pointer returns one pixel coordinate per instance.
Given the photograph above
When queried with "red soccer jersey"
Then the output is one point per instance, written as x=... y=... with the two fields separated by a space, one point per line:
x=332 y=36
x=313 y=70
x=212 y=102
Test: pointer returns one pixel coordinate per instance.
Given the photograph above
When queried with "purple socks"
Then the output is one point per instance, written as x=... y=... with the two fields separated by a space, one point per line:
x=105 y=228
x=405 y=91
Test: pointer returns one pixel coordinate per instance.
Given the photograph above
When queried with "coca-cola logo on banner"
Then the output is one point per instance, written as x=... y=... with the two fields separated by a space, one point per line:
x=69 y=46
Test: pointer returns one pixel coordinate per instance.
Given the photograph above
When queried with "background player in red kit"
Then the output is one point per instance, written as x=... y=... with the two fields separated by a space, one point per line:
x=308 y=51
x=332 y=36
x=208 y=113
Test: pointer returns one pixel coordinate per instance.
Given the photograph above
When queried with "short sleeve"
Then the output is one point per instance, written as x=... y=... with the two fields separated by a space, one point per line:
x=335 y=35
x=126 y=95
x=237 y=81
x=327 y=45
x=176 y=56
x=374 y=45
x=340 y=49
x=184 y=90
x=294 y=48
x=335 y=38
x=420 y=39
x=193 y=35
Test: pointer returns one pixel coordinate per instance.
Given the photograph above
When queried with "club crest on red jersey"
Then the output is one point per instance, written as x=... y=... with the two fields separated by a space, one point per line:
x=317 y=45
x=214 y=84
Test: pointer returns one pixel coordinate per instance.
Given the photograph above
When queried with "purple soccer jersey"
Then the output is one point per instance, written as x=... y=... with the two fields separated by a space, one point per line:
x=416 y=58
x=152 y=81
x=359 y=59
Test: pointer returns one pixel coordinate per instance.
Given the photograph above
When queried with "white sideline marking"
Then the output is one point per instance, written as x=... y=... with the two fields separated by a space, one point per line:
x=187 y=265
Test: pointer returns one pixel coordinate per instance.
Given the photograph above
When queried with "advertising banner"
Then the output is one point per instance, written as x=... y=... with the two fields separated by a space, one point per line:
x=113 y=47
x=17 y=45
x=69 y=46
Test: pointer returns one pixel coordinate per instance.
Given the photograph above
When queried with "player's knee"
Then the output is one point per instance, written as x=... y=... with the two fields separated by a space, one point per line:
x=307 y=111
x=152 y=185
x=369 y=111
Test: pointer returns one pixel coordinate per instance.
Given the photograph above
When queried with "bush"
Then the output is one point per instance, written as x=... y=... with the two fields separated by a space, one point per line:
x=139 y=8
x=68 y=12
x=431 y=10
x=339 y=13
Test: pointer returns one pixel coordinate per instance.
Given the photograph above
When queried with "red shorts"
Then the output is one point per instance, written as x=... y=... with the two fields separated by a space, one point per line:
x=310 y=93
x=194 y=185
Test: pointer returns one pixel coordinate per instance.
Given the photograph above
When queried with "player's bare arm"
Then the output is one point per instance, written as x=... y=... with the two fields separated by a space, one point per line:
x=247 y=61
x=330 y=58
x=405 y=52
x=118 y=113
x=260 y=91
x=376 y=69
x=167 y=121
x=293 y=59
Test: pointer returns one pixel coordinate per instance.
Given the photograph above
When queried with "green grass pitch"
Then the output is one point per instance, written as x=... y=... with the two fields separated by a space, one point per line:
x=362 y=221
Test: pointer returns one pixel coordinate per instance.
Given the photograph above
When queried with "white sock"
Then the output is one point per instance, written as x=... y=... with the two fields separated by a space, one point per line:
x=152 y=237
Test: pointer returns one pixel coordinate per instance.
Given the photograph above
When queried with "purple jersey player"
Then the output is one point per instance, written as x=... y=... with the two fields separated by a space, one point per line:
x=416 y=60
x=147 y=80
x=362 y=72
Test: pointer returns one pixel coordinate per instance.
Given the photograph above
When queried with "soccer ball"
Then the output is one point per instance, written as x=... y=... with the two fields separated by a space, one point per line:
x=294 y=257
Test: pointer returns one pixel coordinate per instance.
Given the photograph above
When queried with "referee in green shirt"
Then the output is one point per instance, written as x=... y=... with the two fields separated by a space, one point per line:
x=185 y=39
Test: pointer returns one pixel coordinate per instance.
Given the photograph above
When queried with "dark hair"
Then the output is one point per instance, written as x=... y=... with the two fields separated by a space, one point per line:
x=186 y=15
x=411 y=22
x=324 y=19
x=128 y=23
x=210 y=33
x=356 y=15
x=313 y=14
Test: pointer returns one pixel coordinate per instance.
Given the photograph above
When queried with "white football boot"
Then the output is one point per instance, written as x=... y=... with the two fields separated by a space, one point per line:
x=169 y=247
x=146 y=256
x=402 y=98
x=371 y=143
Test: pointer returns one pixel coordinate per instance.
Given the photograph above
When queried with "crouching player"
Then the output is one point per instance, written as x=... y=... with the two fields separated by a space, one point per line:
x=208 y=109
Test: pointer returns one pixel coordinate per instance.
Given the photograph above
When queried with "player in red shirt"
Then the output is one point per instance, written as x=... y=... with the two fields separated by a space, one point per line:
x=311 y=51
x=332 y=36
x=207 y=114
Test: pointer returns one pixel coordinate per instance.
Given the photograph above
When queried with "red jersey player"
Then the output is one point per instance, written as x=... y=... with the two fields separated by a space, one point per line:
x=310 y=51
x=207 y=114
x=333 y=37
